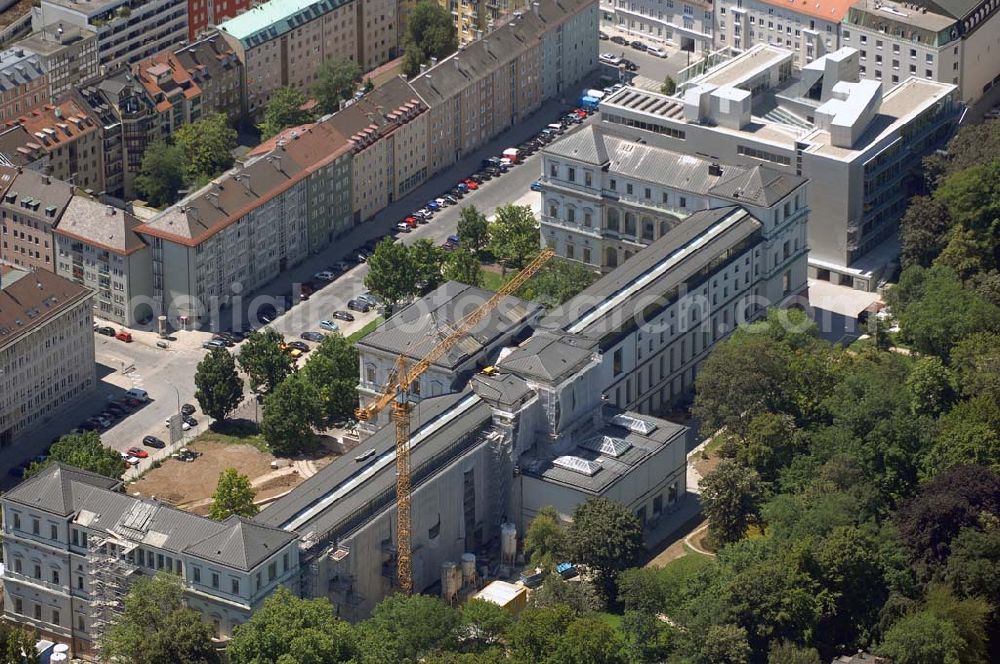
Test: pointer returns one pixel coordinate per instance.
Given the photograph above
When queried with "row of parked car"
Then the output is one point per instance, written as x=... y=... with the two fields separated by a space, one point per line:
x=658 y=51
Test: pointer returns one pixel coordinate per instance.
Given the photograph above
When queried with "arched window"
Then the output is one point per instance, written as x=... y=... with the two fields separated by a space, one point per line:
x=629 y=223
x=611 y=257
x=613 y=219
x=647 y=229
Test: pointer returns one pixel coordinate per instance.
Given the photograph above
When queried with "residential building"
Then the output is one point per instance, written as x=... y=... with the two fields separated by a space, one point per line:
x=68 y=56
x=822 y=123
x=97 y=246
x=605 y=195
x=46 y=349
x=173 y=91
x=127 y=30
x=230 y=237
x=684 y=24
x=213 y=66
x=64 y=141
x=23 y=82
x=282 y=43
x=14 y=150
x=494 y=83
x=32 y=205
x=950 y=42
x=73 y=541
x=387 y=129
x=809 y=30
x=474 y=18
x=416 y=329
x=205 y=14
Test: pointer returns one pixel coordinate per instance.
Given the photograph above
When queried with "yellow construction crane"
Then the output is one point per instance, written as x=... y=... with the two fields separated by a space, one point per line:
x=397 y=392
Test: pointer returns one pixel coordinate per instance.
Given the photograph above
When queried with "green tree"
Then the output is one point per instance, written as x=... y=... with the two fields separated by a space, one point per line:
x=283 y=111
x=607 y=538
x=973 y=568
x=972 y=145
x=976 y=360
x=669 y=86
x=263 y=359
x=289 y=630
x=922 y=638
x=647 y=638
x=514 y=238
x=403 y=628
x=155 y=626
x=84 y=450
x=336 y=81
x=770 y=442
x=931 y=386
x=463 y=267
x=233 y=495
x=218 y=388
x=536 y=632
x=332 y=369
x=967 y=434
x=588 y=640
x=290 y=413
x=161 y=174
x=972 y=197
x=430 y=32
x=17 y=645
x=724 y=644
x=207 y=145
x=730 y=498
x=473 y=229
x=557 y=282
x=391 y=273
x=578 y=594
x=923 y=231
x=546 y=540
x=484 y=623
x=784 y=652
x=427 y=259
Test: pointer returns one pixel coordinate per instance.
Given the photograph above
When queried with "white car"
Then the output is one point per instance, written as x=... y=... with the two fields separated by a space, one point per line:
x=325 y=275
x=403 y=227
x=611 y=59
x=658 y=51
x=130 y=460
x=184 y=425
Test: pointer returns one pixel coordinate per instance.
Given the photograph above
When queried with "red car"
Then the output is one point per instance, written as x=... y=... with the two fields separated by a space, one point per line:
x=137 y=452
x=472 y=184
x=411 y=221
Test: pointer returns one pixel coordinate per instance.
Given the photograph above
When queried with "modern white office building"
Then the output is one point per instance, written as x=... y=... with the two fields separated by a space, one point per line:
x=954 y=42
x=861 y=139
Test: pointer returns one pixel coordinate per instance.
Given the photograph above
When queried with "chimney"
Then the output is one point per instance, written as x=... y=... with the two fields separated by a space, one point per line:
x=715 y=169
x=423 y=67
x=109 y=210
x=434 y=60
x=535 y=7
x=46 y=179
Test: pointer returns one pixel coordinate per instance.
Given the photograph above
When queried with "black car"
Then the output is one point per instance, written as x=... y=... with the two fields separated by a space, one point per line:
x=618 y=40
x=638 y=45
x=190 y=421
x=315 y=337
x=187 y=409
x=343 y=315
x=629 y=65
x=358 y=305
x=153 y=441
x=298 y=345
x=88 y=426
x=106 y=331
x=457 y=193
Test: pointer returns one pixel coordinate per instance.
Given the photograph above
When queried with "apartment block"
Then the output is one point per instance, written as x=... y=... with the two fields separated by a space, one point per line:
x=820 y=122
x=205 y=14
x=23 y=82
x=282 y=43
x=46 y=349
x=64 y=141
x=177 y=99
x=98 y=247
x=953 y=43
x=73 y=541
x=605 y=196
x=810 y=30
x=127 y=30
x=68 y=56
x=213 y=66
x=494 y=83
x=387 y=130
x=474 y=18
x=684 y=24
x=32 y=205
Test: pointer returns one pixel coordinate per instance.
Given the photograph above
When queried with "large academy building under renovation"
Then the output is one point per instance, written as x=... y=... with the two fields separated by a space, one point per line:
x=570 y=408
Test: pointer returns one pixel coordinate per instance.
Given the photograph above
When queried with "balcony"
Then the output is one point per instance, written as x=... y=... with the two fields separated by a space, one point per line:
x=9 y=573
x=572 y=226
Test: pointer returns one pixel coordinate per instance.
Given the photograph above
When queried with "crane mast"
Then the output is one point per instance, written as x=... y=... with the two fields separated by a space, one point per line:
x=397 y=391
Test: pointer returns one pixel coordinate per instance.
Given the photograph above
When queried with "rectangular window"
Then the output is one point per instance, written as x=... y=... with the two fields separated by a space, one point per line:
x=628 y=188
x=53 y=531
x=55 y=617
x=35 y=527
x=215 y=580
x=196 y=574
x=588 y=179
x=235 y=586
x=617 y=362
x=571 y=174
x=272 y=571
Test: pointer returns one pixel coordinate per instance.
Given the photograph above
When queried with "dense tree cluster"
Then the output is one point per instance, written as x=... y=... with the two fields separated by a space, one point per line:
x=82 y=450
x=430 y=33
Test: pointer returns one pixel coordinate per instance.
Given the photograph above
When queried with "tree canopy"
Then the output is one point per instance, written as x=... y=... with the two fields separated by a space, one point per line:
x=473 y=229
x=514 y=236
x=218 y=388
x=392 y=274
x=284 y=110
x=233 y=495
x=430 y=32
x=82 y=450
x=161 y=174
x=264 y=360
x=336 y=81
x=332 y=370
x=607 y=538
x=207 y=146
x=291 y=412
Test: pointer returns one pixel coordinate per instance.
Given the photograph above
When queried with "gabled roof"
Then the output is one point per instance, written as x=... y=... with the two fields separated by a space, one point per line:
x=52 y=489
x=759 y=185
x=548 y=356
x=102 y=226
x=418 y=328
x=241 y=544
x=28 y=299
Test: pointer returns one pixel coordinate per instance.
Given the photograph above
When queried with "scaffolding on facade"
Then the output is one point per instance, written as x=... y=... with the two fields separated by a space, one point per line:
x=110 y=570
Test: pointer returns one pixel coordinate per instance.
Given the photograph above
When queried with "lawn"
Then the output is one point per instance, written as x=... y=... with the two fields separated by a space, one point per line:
x=355 y=336
x=234 y=433
x=492 y=281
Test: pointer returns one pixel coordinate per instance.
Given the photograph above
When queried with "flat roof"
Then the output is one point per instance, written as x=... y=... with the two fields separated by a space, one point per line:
x=828 y=10
x=340 y=496
x=273 y=19
x=743 y=67
x=899 y=13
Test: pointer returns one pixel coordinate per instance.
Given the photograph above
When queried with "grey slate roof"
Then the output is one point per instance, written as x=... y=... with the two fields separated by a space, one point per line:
x=504 y=390
x=52 y=489
x=548 y=356
x=415 y=330
x=610 y=148
x=613 y=301
x=610 y=469
x=95 y=502
x=242 y=544
x=108 y=227
x=44 y=190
